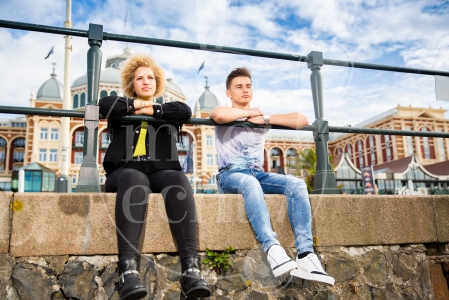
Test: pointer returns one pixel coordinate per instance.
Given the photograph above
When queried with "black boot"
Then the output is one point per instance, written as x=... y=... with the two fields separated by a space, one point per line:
x=192 y=283
x=128 y=286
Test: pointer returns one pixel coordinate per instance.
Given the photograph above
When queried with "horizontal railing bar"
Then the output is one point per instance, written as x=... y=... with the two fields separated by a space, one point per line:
x=214 y=48
x=359 y=65
x=201 y=121
x=387 y=131
x=204 y=47
x=43 y=28
x=41 y=111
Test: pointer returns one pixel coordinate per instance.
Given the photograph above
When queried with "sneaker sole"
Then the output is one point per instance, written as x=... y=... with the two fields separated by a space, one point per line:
x=327 y=280
x=285 y=268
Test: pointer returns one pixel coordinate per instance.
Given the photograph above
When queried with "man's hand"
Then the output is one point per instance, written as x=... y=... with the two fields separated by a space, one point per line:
x=257 y=120
x=254 y=112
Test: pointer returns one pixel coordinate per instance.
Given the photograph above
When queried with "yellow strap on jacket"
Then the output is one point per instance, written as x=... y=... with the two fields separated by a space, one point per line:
x=140 y=146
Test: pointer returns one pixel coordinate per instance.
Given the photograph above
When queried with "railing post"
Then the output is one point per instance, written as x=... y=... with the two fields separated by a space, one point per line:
x=88 y=178
x=324 y=180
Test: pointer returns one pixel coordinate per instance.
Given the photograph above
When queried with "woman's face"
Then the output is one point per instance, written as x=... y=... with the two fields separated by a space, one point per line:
x=144 y=83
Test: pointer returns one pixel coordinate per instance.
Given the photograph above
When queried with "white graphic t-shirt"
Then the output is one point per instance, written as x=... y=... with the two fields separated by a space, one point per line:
x=240 y=147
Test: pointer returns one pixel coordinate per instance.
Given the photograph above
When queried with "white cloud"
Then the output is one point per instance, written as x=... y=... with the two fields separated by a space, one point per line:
x=395 y=32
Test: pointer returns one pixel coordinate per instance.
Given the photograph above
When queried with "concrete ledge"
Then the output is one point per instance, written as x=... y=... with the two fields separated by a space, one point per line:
x=83 y=224
x=442 y=217
x=5 y=220
x=347 y=220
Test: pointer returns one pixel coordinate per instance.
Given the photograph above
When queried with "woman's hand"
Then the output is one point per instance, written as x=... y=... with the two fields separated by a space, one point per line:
x=138 y=103
x=140 y=111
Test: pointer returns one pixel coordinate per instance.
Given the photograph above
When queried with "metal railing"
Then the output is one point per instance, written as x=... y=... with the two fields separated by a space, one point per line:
x=324 y=182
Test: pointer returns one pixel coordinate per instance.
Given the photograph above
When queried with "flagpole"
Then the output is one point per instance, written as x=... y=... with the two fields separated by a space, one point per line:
x=65 y=121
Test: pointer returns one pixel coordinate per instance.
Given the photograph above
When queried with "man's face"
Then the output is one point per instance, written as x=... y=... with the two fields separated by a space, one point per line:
x=240 y=91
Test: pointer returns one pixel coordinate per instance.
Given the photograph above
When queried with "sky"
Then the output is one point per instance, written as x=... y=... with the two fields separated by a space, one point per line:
x=407 y=33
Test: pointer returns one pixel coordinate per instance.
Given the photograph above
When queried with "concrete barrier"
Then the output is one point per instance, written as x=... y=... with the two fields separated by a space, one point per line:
x=84 y=224
x=5 y=220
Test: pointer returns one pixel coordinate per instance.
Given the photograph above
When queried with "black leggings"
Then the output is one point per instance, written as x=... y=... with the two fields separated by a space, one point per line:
x=132 y=188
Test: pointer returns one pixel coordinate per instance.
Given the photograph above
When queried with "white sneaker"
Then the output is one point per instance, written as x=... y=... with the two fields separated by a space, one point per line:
x=310 y=268
x=279 y=261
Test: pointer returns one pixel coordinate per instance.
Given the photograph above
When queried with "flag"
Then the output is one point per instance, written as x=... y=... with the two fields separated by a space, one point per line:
x=126 y=17
x=50 y=53
x=202 y=67
x=187 y=166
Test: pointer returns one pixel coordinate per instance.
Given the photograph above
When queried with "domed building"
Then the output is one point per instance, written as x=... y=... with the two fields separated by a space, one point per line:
x=207 y=101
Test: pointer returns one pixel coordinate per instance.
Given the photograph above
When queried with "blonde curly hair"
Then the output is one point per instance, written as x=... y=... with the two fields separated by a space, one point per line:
x=131 y=65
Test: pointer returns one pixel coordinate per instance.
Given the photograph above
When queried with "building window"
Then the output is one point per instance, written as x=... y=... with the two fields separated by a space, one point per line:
x=18 y=156
x=103 y=94
x=2 y=142
x=409 y=142
x=78 y=158
x=75 y=101
x=104 y=140
x=388 y=147
x=44 y=133
x=53 y=155
x=54 y=135
x=102 y=156
x=360 y=153
x=426 y=145
x=441 y=146
x=79 y=138
x=74 y=179
x=209 y=141
x=349 y=151
x=19 y=143
x=372 y=148
x=113 y=93
x=210 y=160
x=212 y=180
x=43 y=155
x=83 y=100
x=216 y=159
x=2 y=155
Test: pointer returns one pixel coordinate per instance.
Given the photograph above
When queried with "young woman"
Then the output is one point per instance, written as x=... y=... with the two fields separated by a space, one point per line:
x=149 y=164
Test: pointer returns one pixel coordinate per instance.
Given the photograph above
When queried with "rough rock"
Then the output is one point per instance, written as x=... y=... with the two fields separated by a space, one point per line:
x=172 y=267
x=109 y=278
x=78 y=280
x=32 y=281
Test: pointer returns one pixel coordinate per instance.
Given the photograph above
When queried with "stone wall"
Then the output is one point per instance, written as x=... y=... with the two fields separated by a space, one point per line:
x=62 y=246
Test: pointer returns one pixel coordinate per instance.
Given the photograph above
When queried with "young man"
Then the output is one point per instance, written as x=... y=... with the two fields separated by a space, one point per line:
x=240 y=164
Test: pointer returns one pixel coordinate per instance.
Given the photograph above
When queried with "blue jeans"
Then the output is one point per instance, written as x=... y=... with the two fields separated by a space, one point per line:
x=252 y=184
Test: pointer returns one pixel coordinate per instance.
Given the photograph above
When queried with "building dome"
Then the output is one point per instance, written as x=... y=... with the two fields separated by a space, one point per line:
x=51 y=90
x=80 y=81
x=173 y=87
x=108 y=75
x=207 y=101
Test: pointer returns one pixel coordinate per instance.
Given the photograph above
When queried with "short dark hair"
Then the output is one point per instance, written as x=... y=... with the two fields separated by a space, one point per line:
x=239 y=72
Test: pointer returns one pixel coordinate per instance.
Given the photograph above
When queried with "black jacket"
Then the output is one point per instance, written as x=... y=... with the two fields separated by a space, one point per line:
x=160 y=138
